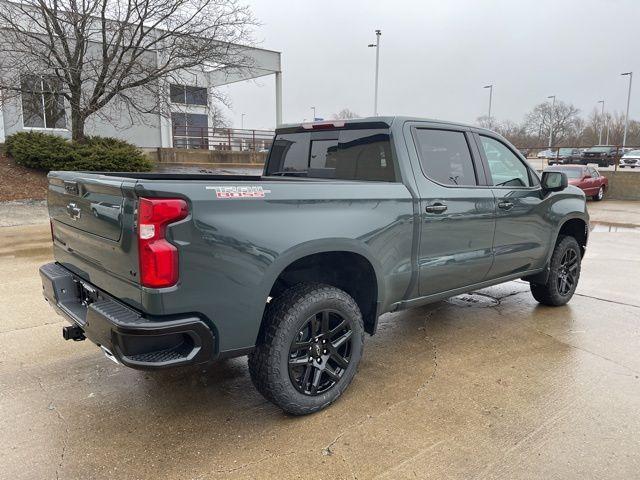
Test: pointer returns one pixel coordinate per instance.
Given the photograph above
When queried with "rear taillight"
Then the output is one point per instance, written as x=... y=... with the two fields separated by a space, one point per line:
x=158 y=257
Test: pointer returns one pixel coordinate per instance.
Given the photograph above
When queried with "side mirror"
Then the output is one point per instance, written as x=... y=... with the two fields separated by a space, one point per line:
x=554 y=181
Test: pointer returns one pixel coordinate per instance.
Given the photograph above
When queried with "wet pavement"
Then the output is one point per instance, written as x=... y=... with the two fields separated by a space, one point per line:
x=484 y=385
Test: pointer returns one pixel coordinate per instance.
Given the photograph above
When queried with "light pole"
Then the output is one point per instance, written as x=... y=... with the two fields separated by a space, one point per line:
x=490 y=87
x=553 y=114
x=601 y=122
x=626 y=118
x=313 y=109
x=375 y=94
x=242 y=121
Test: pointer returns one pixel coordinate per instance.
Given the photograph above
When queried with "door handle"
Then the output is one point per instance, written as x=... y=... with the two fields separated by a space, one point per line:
x=436 y=208
x=505 y=204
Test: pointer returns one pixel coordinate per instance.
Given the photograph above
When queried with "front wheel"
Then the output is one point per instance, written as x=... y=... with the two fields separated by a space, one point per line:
x=564 y=274
x=600 y=195
x=309 y=348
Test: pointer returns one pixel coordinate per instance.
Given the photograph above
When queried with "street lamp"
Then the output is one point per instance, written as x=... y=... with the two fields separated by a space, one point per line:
x=490 y=87
x=242 y=121
x=601 y=122
x=375 y=94
x=553 y=114
x=626 y=118
x=314 y=113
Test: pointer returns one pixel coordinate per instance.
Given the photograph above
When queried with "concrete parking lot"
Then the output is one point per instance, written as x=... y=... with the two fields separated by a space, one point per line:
x=485 y=385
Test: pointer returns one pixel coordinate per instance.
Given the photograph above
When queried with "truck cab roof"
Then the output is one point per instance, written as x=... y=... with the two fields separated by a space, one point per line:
x=371 y=122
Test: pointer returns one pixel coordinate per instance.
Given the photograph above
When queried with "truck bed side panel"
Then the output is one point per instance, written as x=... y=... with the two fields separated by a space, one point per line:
x=234 y=248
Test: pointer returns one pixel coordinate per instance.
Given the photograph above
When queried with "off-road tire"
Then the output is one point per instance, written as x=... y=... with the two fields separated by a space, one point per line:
x=268 y=363
x=549 y=293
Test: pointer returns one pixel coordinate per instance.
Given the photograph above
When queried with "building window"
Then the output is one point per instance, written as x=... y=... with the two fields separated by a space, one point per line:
x=190 y=130
x=188 y=95
x=42 y=103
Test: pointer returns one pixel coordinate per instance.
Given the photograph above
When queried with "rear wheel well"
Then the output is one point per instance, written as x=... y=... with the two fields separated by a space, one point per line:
x=347 y=271
x=576 y=228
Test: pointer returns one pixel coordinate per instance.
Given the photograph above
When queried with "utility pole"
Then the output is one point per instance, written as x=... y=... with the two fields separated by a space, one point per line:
x=601 y=122
x=375 y=94
x=490 y=87
x=553 y=114
x=626 y=118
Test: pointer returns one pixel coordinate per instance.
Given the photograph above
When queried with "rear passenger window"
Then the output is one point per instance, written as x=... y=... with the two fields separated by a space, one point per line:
x=353 y=155
x=445 y=157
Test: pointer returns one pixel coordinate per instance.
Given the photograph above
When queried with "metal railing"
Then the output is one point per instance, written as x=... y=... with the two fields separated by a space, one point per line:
x=229 y=139
x=553 y=156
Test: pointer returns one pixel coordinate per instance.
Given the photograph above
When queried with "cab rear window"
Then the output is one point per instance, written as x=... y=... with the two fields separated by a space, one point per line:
x=344 y=155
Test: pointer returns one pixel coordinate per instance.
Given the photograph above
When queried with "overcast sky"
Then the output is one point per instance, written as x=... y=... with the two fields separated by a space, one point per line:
x=435 y=57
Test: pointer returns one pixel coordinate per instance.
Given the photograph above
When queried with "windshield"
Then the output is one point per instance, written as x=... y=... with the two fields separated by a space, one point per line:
x=570 y=172
x=633 y=153
x=566 y=151
x=599 y=149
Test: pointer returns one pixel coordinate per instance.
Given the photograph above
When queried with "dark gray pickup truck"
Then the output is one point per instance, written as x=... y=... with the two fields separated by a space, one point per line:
x=351 y=219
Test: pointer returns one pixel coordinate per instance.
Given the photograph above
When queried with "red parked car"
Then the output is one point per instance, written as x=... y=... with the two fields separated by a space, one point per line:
x=584 y=177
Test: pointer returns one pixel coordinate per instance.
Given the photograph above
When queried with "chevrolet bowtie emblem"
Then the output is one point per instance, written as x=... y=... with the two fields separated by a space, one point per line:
x=74 y=211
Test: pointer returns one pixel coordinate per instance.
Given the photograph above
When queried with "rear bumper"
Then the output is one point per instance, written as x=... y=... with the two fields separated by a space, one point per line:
x=132 y=339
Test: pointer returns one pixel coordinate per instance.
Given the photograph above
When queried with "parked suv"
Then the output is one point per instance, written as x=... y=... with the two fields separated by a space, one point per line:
x=630 y=159
x=565 y=156
x=603 y=155
x=350 y=220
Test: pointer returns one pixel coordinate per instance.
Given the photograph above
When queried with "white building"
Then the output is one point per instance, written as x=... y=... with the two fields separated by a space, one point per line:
x=191 y=112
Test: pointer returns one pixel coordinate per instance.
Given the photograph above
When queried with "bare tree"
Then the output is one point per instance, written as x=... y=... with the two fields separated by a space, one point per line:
x=564 y=118
x=614 y=129
x=116 y=57
x=490 y=123
x=345 y=114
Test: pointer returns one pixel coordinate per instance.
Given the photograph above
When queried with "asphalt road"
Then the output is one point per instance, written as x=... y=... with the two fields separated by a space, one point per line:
x=486 y=385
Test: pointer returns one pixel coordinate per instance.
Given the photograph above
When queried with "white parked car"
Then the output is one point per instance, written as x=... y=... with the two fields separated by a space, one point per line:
x=630 y=159
x=546 y=154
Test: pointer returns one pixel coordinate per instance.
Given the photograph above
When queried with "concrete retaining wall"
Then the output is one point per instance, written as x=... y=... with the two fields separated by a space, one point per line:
x=623 y=185
x=184 y=156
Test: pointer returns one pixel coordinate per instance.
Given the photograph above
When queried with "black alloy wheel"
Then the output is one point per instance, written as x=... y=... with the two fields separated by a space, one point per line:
x=567 y=273
x=309 y=347
x=564 y=274
x=320 y=353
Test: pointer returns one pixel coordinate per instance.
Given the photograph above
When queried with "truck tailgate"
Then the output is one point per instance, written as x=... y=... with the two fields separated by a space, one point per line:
x=92 y=219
